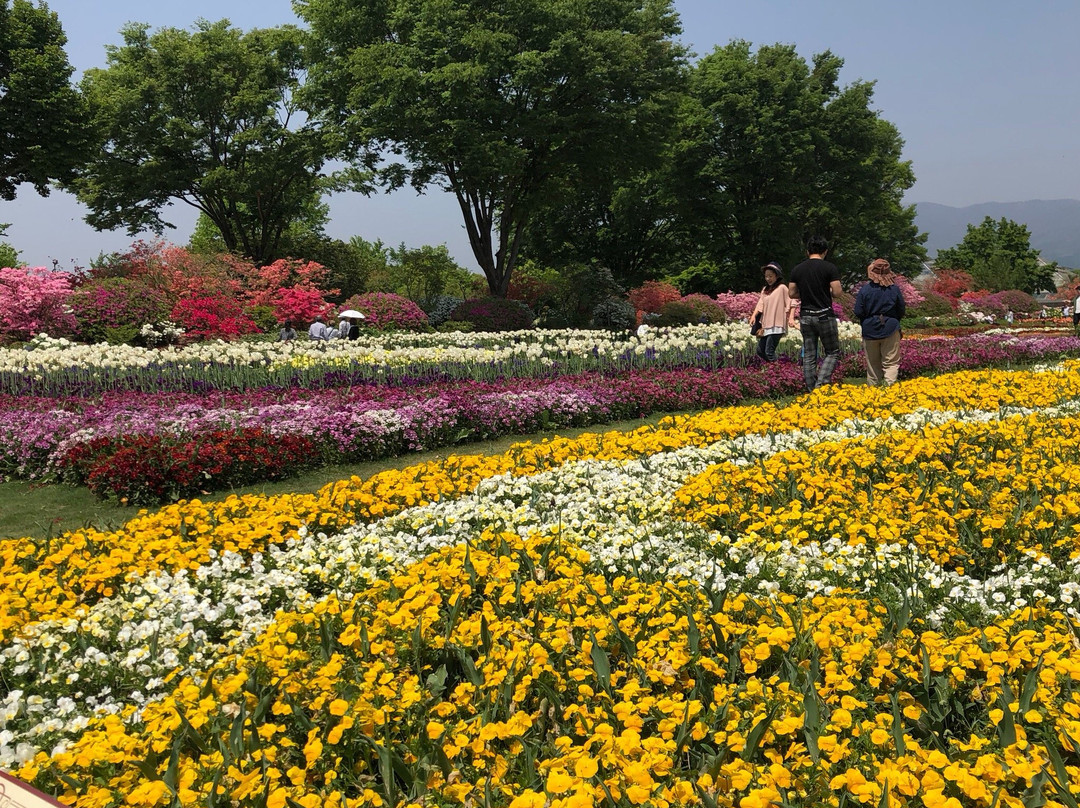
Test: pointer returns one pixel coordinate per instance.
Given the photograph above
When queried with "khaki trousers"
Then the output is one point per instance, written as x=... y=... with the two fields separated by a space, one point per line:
x=882 y=359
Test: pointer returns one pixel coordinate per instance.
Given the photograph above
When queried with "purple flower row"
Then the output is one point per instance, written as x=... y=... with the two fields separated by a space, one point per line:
x=367 y=422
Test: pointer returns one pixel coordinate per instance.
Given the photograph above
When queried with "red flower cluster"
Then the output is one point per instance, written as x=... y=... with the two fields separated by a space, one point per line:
x=152 y=469
x=651 y=296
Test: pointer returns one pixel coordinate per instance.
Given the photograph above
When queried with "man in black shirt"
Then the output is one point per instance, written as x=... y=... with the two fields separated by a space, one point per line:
x=813 y=283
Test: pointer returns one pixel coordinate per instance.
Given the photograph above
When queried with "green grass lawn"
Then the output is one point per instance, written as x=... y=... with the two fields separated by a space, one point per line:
x=38 y=510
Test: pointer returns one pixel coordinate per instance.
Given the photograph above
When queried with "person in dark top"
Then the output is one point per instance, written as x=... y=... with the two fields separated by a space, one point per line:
x=813 y=283
x=879 y=306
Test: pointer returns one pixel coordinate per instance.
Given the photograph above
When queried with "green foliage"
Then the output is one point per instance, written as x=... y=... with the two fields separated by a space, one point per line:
x=629 y=220
x=206 y=238
x=933 y=305
x=121 y=334
x=424 y=273
x=998 y=256
x=571 y=293
x=502 y=105
x=778 y=152
x=614 y=314
x=265 y=318
x=9 y=256
x=42 y=117
x=206 y=118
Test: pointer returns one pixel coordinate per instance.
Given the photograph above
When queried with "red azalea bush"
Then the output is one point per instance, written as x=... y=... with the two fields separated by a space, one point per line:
x=212 y=318
x=300 y=304
x=34 y=300
x=530 y=290
x=152 y=469
x=385 y=311
x=651 y=296
x=952 y=282
x=106 y=306
x=294 y=290
x=494 y=314
x=177 y=271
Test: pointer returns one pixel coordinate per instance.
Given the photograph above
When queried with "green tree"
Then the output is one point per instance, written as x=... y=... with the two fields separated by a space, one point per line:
x=632 y=225
x=998 y=255
x=778 y=152
x=9 y=256
x=208 y=118
x=502 y=104
x=423 y=273
x=42 y=117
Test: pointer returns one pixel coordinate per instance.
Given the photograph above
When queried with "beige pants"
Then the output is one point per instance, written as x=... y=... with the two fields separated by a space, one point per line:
x=882 y=359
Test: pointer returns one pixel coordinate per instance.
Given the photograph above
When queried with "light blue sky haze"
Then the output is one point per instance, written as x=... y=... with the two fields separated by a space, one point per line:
x=984 y=92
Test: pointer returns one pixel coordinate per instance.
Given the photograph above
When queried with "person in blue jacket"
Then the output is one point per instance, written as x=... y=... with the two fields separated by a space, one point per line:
x=879 y=306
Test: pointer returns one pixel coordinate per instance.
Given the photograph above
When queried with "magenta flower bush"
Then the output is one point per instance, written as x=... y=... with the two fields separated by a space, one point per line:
x=494 y=314
x=110 y=305
x=738 y=305
x=35 y=300
x=1016 y=301
x=384 y=311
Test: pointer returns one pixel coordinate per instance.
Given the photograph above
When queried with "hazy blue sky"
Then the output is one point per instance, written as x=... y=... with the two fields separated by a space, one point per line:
x=984 y=92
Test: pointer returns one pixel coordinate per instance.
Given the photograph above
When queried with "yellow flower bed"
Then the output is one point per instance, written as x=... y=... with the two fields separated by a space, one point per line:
x=970 y=496
x=510 y=673
x=52 y=579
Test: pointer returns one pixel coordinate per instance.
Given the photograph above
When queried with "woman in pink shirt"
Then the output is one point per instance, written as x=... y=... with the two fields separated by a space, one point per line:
x=775 y=307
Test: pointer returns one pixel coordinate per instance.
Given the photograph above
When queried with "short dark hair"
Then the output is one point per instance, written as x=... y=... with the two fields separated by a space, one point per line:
x=817 y=245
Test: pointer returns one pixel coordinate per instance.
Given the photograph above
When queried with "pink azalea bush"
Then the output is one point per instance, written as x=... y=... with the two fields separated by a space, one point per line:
x=33 y=300
x=738 y=305
x=1016 y=301
x=984 y=302
x=384 y=311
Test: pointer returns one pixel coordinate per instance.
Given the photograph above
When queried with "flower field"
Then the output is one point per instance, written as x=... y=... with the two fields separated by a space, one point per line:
x=144 y=438
x=866 y=596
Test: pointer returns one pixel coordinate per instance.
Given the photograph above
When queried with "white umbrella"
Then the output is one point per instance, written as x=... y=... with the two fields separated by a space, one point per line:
x=352 y=313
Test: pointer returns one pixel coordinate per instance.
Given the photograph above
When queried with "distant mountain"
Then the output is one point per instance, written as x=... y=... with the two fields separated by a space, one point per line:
x=1054 y=225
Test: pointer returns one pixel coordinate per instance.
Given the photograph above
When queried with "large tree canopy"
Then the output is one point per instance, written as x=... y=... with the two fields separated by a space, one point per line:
x=780 y=153
x=502 y=103
x=998 y=255
x=42 y=117
x=208 y=118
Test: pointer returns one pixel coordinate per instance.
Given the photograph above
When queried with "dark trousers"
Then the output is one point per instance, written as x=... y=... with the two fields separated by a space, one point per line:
x=766 y=346
x=815 y=328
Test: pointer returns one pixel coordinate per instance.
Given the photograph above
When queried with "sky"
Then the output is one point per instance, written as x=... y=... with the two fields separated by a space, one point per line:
x=983 y=92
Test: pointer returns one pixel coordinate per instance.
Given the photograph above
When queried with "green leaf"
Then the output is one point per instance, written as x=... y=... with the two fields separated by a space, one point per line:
x=753 y=740
x=601 y=664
